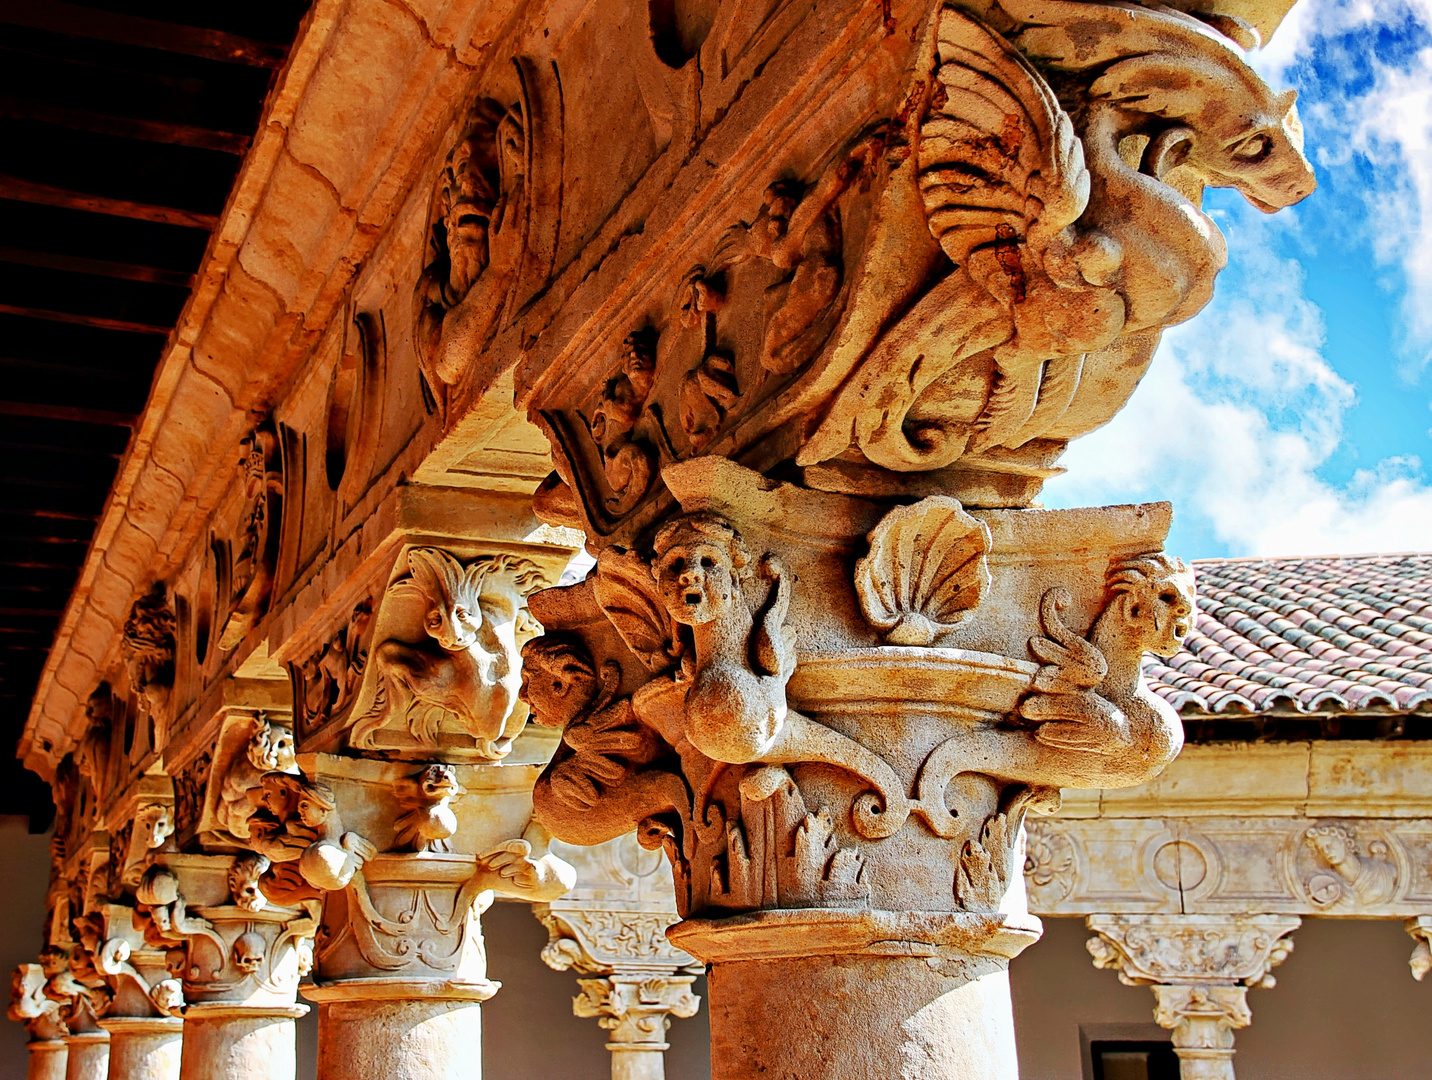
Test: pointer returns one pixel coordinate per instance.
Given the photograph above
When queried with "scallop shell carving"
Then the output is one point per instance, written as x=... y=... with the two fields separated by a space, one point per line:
x=926 y=569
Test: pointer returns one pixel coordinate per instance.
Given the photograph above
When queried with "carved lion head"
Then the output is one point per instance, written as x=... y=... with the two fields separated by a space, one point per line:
x=1153 y=595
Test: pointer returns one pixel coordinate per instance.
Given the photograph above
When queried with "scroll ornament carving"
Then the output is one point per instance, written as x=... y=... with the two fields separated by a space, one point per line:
x=449 y=682
x=147 y=643
x=245 y=951
x=1192 y=949
x=682 y=725
x=637 y=1010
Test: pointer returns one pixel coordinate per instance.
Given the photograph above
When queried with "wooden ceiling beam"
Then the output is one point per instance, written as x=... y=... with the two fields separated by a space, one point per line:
x=97 y=321
x=12 y=187
x=13 y=108
x=74 y=20
x=97 y=267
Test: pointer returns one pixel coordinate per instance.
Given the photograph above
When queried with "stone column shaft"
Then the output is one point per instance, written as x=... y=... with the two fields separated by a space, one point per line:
x=88 y=1057
x=48 y=1059
x=239 y=1042
x=144 y=1048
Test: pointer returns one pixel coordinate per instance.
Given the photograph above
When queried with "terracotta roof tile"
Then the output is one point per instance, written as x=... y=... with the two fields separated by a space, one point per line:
x=1308 y=635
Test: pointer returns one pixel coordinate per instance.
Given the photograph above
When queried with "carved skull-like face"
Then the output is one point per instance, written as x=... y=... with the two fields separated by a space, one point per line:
x=696 y=580
x=1157 y=601
x=249 y=953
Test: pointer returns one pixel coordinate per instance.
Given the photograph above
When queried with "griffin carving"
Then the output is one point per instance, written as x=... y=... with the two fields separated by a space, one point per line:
x=1070 y=223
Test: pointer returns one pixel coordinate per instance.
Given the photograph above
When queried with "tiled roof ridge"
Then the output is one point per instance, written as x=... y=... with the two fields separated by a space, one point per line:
x=1311 y=634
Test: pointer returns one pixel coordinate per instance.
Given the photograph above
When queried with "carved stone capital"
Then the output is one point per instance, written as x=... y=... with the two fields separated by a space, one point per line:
x=1192 y=950
x=636 y=1009
x=1199 y=968
x=225 y=953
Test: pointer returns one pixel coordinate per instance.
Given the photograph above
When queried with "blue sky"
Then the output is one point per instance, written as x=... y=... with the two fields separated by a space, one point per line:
x=1294 y=414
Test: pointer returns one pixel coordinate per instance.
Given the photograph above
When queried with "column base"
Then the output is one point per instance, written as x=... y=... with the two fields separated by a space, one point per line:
x=238 y=1042
x=400 y=1029
x=88 y=1057
x=860 y=995
x=48 y=1058
x=144 y=1048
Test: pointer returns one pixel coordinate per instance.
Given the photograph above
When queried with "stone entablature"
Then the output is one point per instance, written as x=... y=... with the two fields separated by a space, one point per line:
x=1335 y=829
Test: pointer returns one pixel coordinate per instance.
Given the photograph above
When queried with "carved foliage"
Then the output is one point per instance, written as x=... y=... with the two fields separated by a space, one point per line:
x=326 y=684
x=253 y=550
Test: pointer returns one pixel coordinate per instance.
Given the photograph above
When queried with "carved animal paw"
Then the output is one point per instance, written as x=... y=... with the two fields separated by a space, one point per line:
x=520 y=875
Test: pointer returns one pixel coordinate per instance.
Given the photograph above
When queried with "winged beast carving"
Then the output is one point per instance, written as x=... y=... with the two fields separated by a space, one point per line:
x=1071 y=225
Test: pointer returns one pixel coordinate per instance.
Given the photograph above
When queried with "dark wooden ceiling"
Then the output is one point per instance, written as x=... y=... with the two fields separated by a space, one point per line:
x=122 y=127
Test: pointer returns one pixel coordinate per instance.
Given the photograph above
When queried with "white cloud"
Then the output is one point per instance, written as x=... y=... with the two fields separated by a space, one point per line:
x=1382 y=124
x=1233 y=422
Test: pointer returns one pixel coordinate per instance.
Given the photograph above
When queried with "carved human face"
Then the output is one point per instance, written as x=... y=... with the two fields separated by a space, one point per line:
x=271 y=748
x=455 y=626
x=1330 y=846
x=1162 y=607
x=696 y=581
x=311 y=812
x=556 y=685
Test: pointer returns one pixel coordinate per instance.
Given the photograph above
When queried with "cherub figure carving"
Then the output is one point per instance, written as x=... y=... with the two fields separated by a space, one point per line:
x=1369 y=878
x=297 y=821
x=429 y=822
x=1068 y=260
x=468 y=670
x=628 y=460
x=735 y=666
x=602 y=778
x=72 y=983
x=270 y=749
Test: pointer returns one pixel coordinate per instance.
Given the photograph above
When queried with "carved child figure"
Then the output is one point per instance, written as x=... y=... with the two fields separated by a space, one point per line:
x=297 y=822
x=599 y=781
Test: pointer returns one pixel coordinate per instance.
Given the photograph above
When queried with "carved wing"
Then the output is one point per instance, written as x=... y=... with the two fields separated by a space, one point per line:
x=999 y=160
x=626 y=592
x=1001 y=178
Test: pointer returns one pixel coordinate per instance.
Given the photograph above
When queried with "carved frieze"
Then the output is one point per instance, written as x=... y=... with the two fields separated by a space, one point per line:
x=1368 y=868
x=326 y=682
x=247 y=577
x=961 y=285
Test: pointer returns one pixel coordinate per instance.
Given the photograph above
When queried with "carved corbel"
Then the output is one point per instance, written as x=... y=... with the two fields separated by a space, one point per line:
x=31 y=1006
x=444 y=672
x=1200 y=968
x=250 y=745
x=1420 y=927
